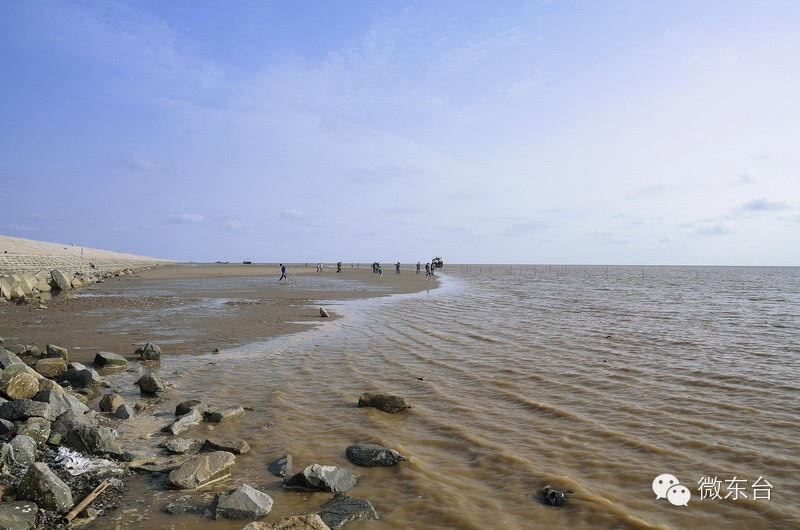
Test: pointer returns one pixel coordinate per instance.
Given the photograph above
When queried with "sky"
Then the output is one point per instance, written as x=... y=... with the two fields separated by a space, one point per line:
x=587 y=132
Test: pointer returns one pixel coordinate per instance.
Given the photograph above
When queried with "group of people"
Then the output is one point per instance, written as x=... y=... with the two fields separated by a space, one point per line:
x=430 y=269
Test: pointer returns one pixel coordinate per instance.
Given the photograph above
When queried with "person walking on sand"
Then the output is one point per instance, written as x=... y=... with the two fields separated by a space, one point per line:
x=338 y=266
x=428 y=270
x=283 y=273
x=380 y=273
x=397 y=268
x=418 y=267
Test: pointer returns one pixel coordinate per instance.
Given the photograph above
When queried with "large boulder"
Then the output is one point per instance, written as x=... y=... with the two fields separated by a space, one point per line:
x=185 y=407
x=242 y=502
x=36 y=428
x=184 y=423
x=124 y=412
x=43 y=487
x=52 y=368
x=384 y=402
x=81 y=433
x=309 y=521
x=223 y=414
x=232 y=445
x=371 y=455
x=19 y=386
x=183 y=446
x=281 y=467
x=25 y=450
x=149 y=352
x=343 y=509
x=200 y=470
x=20 y=515
x=110 y=402
x=150 y=384
x=80 y=376
x=61 y=279
x=57 y=351
x=22 y=409
x=106 y=358
x=61 y=401
x=323 y=478
x=187 y=504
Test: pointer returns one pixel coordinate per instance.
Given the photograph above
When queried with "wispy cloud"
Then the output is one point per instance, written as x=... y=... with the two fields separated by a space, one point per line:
x=714 y=230
x=763 y=205
x=291 y=214
x=186 y=218
x=238 y=227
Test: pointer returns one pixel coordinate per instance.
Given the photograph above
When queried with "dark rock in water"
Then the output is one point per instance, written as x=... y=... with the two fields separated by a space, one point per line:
x=183 y=446
x=223 y=414
x=25 y=450
x=110 y=402
x=232 y=445
x=124 y=412
x=242 y=502
x=151 y=384
x=281 y=467
x=188 y=504
x=343 y=509
x=43 y=487
x=106 y=358
x=149 y=352
x=186 y=407
x=553 y=497
x=323 y=478
x=81 y=377
x=201 y=469
x=383 y=402
x=371 y=455
x=22 y=409
x=19 y=515
x=184 y=423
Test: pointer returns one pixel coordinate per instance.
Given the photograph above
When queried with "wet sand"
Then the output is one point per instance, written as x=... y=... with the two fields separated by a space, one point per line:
x=193 y=308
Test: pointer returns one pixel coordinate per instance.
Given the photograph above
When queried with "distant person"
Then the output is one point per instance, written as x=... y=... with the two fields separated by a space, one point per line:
x=397 y=268
x=418 y=265
x=283 y=273
x=433 y=268
x=338 y=266
x=427 y=270
x=380 y=273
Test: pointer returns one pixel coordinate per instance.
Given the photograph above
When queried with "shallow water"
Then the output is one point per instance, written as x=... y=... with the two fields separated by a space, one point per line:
x=591 y=379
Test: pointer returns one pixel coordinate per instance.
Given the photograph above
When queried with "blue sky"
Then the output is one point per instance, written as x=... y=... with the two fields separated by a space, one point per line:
x=545 y=132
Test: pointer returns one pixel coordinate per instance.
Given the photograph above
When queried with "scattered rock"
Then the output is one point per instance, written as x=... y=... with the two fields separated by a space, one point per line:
x=371 y=455
x=81 y=377
x=200 y=470
x=323 y=478
x=323 y=313
x=149 y=352
x=232 y=445
x=106 y=358
x=52 y=368
x=43 y=487
x=80 y=433
x=110 y=402
x=242 y=502
x=383 y=402
x=187 y=504
x=223 y=414
x=36 y=428
x=151 y=384
x=310 y=521
x=22 y=409
x=18 y=515
x=19 y=386
x=62 y=280
x=184 y=423
x=7 y=428
x=343 y=509
x=183 y=446
x=57 y=351
x=553 y=497
x=185 y=407
x=61 y=401
x=25 y=450
x=124 y=412
x=281 y=467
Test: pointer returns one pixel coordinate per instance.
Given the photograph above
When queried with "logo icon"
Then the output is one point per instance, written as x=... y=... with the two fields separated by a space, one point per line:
x=668 y=487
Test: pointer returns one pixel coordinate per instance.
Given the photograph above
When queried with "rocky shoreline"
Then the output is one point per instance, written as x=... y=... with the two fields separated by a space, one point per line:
x=24 y=287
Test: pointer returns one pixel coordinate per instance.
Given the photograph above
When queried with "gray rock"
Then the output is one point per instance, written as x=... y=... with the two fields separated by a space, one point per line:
x=81 y=377
x=232 y=445
x=110 y=402
x=383 y=402
x=7 y=462
x=309 y=521
x=61 y=402
x=105 y=358
x=124 y=412
x=36 y=428
x=185 y=407
x=7 y=428
x=61 y=279
x=183 y=446
x=242 y=502
x=323 y=312
x=22 y=409
x=151 y=384
x=80 y=433
x=57 y=351
x=25 y=450
x=281 y=467
x=323 y=478
x=19 y=515
x=149 y=352
x=18 y=349
x=52 y=368
x=371 y=455
x=342 y=509
x=199 y=470
x=184 y=423
x=43 y=487
x=187 y=504
x=223 y=414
